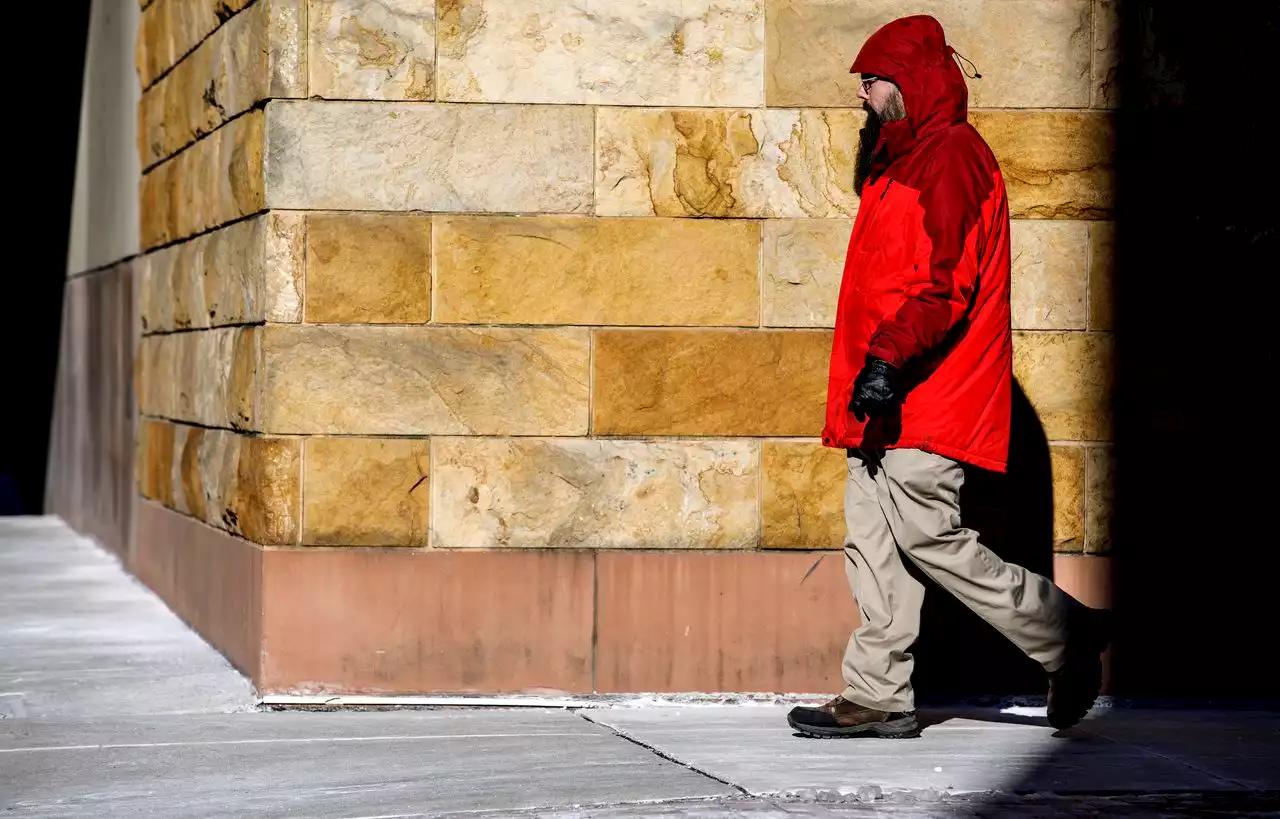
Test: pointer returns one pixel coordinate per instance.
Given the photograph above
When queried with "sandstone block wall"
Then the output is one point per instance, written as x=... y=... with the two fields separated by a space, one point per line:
x=518 y=274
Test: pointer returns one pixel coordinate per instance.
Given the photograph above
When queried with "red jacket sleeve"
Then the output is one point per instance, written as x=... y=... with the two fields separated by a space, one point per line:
x=952 y=193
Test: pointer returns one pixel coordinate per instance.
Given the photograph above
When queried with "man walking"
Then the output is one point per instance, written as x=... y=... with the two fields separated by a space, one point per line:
x=920 y=382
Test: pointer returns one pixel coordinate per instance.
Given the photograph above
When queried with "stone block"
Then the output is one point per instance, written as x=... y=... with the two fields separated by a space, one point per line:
x=582 y=270
x=1102 y=263
x=214 y=375
x=217 y=180
x=575 y=493
x=205 y=377
x=666 y=52
x=169 y=29
x=155 y=291
x=803 y=495
x=803 y=263
x=245 y=273
x=365 y=492
x=409 y=156
x=710 y=382
x=1032 y=53
x=1068 y=379
x=1105 y=69
x=721 y=621
x=1067 y=464
x=157 y=375
x=1099 y=491
x=155 y=461
x=1056 y=164
x=423 y=381
x=1049 y=273
x=247 y=485
x=398 y=621
x=755 y=164
x=368 y=268
x=372 y=51
x=255 y=56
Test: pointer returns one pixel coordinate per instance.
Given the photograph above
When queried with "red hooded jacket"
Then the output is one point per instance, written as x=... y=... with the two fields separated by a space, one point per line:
x=926 y=280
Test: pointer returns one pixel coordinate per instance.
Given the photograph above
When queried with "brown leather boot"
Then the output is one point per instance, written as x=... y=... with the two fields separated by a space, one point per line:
x=841 y=718
x=1074 y=688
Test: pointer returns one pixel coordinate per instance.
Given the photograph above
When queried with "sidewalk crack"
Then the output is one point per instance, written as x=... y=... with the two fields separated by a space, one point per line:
x=664 y=755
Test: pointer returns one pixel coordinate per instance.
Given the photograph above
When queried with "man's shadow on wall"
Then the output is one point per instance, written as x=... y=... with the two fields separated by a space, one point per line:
x=958 y=655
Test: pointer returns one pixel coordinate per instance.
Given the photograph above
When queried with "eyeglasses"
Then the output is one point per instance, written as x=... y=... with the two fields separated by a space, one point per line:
x=869 y=80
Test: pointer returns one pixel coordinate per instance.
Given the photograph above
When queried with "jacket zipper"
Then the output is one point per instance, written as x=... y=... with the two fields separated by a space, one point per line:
x=886 y=189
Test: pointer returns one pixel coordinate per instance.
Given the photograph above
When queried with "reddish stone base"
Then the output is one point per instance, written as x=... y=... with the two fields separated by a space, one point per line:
x=397 y=621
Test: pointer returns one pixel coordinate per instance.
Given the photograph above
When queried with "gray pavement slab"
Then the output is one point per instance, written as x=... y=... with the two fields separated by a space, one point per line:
x=753 y=748
x=1239 y=746
x=80 y=637
x=322 y=765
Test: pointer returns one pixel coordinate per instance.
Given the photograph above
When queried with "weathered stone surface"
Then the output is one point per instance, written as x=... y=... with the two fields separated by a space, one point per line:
x=1099 y=490
x=1106 y=55
x=216 y=377
x=155 y=461
x=804 y=260
x=582 y=270
x=755 y=164
x=1068 y=379
x=1033 y=53
x=406 y=156
x=803 y=263
x=710 y=382
x=667 y=52
x=1067 y=464
x=206 y=377
x=575 y=493
x=368 y=268
x=245 y=273
x=423 y=381
x=215 y=181
x=1102 y=262
x=1056 y=164
x=251 y=58
x=169 y=29
x=1049 y=273
x=803 y=496
x=203 y=365
x=156 y=372
x=373 y=51
x=247 y=485
x=365 y=492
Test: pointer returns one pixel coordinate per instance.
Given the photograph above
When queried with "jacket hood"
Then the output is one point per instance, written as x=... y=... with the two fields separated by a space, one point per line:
x=913 y=53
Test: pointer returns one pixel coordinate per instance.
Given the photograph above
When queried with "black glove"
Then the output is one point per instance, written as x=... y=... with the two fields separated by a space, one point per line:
x=876 y=391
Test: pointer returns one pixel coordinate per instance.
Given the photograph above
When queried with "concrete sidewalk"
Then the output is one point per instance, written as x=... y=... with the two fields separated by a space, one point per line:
x=109 y=706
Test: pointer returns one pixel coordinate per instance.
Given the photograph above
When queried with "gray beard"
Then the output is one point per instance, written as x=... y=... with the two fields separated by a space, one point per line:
x=894 y=109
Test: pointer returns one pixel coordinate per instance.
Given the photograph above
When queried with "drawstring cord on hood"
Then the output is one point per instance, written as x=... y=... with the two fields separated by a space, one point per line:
x=961 y=61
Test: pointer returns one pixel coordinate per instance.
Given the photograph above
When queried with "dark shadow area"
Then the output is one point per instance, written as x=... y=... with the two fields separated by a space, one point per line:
x=50 y=121
x=1193 y=536
x=958 y=655
x=1195 y=320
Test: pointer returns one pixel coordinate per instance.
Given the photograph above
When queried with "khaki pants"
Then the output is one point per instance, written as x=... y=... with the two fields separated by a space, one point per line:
x=907 y=502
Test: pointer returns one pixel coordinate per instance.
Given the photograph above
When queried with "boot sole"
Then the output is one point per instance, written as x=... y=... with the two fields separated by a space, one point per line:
x=902 y=728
